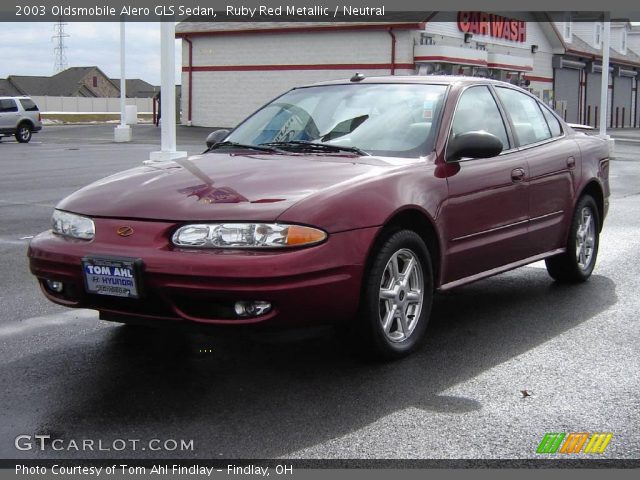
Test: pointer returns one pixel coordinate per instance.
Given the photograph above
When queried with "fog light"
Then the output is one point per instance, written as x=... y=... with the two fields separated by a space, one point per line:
x=55 y=286
x=252 y=309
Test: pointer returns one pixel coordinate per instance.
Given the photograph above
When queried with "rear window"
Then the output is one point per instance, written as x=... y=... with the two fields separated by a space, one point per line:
x=29 y=105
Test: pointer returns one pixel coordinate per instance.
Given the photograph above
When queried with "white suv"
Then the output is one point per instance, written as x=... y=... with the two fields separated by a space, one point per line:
x=19 y=116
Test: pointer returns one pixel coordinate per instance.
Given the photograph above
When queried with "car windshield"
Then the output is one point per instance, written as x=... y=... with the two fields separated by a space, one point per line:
x=396 y=120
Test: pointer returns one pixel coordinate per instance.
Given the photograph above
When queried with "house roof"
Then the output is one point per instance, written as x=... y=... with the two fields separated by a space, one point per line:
x=580 y=47
x=137 y=88
x=29 y=84
x=188 y=27
x=66 y=83
x=7 y=88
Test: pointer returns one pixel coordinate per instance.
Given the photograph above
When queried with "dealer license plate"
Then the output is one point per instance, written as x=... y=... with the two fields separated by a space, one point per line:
x=111 y=276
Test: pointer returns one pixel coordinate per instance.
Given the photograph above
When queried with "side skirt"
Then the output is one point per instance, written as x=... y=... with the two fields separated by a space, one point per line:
x=502 y=269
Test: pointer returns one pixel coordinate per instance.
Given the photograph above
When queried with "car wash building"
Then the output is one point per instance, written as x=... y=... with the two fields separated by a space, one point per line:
x=231 y=69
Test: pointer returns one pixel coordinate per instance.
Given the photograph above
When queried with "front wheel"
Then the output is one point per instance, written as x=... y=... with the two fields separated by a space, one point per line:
x=577 y=263
x=23 y=135
x=397 y=296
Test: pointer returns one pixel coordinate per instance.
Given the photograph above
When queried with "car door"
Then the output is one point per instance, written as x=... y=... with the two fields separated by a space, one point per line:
x=8 y=114
x=486 y=213
x=552 y=163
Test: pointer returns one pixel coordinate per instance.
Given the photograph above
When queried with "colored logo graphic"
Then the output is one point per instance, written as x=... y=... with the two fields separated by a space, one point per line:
x=574 y=442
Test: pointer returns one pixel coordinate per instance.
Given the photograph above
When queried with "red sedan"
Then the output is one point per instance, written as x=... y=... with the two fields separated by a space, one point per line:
x=347 y=202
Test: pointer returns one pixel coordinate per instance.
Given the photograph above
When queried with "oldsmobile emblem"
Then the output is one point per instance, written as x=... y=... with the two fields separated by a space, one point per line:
x=125 y=231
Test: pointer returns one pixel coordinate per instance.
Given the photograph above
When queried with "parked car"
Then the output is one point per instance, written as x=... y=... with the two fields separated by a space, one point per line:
x=20 y=117
x=347 y=202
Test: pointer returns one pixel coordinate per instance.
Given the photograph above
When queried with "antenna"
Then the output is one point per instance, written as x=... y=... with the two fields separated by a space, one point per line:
x=60 y=62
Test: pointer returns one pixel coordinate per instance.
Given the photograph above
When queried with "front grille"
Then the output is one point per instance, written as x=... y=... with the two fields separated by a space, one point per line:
x=149 y=305
x=205 y=308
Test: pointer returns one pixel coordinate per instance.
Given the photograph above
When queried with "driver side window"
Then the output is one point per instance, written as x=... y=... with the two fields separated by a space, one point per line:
x=477 y=111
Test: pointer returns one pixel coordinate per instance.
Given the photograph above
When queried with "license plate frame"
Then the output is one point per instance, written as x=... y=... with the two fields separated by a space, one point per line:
x=124 y=279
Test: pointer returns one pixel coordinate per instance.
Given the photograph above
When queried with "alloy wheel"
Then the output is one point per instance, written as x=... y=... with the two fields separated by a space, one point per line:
x=401 y=295
x=585 y=238
x=24 y=133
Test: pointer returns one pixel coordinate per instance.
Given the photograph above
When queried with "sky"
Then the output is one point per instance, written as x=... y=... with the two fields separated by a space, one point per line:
x=28 y=49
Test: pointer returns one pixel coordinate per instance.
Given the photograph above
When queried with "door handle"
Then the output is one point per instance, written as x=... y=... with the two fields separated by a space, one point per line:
x=571 y=162
x=517 y=174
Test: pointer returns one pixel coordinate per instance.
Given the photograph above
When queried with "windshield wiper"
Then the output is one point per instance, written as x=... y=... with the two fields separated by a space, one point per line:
x=242 y=145
x=306 y=146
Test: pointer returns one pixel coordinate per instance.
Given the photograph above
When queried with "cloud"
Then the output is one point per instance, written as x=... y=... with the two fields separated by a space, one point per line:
x=28 y=49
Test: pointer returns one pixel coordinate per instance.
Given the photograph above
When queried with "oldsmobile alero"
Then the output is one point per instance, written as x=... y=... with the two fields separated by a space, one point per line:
x=347 y=202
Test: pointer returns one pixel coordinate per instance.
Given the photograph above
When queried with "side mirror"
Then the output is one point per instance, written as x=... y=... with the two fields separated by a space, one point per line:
x=216 y=137
x=477 y=144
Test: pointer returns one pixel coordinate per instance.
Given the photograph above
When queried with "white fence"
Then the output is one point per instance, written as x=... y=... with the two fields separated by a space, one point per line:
x=89 y=104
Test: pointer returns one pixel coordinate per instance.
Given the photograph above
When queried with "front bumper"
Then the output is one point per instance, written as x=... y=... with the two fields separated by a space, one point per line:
x=308 y=286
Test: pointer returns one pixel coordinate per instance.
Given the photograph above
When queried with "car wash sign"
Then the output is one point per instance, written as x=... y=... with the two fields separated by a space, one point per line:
x=496 y=26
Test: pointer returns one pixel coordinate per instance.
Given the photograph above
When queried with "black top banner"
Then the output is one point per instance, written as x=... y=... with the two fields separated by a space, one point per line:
x=332 y=11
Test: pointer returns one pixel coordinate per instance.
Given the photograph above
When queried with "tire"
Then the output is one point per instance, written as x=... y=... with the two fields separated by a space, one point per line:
x=577 y=263
x=396 y=303
x=23 y=134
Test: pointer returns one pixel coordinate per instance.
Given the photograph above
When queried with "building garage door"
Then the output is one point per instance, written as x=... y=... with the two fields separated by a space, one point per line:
x=621 y=113
x=592 y=96
x=567 y=92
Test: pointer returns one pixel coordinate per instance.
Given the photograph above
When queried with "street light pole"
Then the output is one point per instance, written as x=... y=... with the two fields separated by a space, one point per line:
x=604 y=83
x=167 y=95
x=122 y=132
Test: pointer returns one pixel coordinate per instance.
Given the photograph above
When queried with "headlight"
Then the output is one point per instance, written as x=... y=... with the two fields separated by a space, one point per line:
x=246 y=235
x=72 y=225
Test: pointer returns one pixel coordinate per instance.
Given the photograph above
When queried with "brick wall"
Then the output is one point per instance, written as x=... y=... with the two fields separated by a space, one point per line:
x=104 y=87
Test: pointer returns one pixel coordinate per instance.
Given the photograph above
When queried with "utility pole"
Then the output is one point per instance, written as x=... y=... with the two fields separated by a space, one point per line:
x=59 y=50
x=604 y=83
x=122 y=132
x=168 y=95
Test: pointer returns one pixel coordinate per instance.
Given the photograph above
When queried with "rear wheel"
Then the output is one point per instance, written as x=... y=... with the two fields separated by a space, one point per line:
x=397 y=296
x=577 y=263
x=23 y=134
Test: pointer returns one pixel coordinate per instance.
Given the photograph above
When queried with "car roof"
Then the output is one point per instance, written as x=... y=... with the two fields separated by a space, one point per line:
x=424 y=79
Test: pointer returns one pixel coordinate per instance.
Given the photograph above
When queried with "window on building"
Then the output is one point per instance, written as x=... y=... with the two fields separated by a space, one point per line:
x=567 y=28
x=597 y=35
x=528 y=121
x=95 y=81
x=477 y=110
x=623 y=42
x=426 y=39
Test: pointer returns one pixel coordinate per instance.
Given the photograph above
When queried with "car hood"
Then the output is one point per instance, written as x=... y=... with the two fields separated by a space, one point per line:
x=218 y=187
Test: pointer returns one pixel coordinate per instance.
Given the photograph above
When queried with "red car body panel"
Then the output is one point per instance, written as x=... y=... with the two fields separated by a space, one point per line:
x=238 y=187
x=181 y=283
x=484 y=218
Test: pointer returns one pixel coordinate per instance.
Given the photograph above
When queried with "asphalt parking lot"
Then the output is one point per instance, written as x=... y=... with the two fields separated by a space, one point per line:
x=64 y=373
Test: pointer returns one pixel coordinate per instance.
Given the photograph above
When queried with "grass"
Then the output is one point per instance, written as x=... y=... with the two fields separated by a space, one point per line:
x=89 y=117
